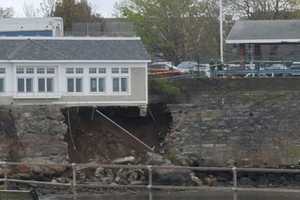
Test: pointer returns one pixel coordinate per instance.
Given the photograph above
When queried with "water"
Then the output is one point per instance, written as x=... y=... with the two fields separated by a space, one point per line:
x=191 y=196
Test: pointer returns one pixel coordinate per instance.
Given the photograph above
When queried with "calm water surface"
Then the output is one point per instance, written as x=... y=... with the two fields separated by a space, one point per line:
x=192 y=196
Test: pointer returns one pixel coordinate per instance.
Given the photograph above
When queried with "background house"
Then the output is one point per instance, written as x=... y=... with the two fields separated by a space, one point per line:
x=256 y=41
x=73 y=71
x=48 y=27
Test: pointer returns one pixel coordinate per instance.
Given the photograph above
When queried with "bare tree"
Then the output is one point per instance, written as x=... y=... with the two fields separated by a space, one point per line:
x=47 y=8
x=264 y=9
x=6 y=12
x=30 y=11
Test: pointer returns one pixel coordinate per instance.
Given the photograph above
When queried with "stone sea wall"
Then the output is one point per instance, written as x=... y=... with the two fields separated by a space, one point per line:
x=247 y=122
x=32 y=134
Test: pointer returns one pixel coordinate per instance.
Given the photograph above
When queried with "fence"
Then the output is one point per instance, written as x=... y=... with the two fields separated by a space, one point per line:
x=150 y=186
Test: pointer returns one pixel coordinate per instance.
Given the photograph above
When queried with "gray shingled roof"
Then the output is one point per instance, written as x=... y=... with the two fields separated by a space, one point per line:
x=268 y=30
x=68 y=49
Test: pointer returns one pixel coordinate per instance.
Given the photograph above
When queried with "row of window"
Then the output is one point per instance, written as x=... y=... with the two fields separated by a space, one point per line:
x=119 y=84
x=39 y=70
x=25 y=85
x=94 y=70
x=51 y=70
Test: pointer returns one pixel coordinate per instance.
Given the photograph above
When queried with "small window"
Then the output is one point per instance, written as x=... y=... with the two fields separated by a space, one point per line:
x=2 y=70
x=93 y=70
x=101 y=84
x=79 y=70
x=41 y=70
x=51 y=70
x=93 y=85
x=50 y=85
x=29 y=85
x=20 y=70
x=102 y=70
x=70 y=70
x=70 y=83
x=29 y=70
x=21 y=85
x=78 y=85
x=124 y=84
x=115 y=70
x=1 y=85
x=41 y=85
x=124 y=70
x=116 y=84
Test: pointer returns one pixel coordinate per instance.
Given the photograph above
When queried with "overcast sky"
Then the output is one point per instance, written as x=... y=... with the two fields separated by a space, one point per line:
x=104 y=7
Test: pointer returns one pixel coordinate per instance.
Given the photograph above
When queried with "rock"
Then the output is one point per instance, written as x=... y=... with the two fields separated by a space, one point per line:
x=125 y=160
x=196 y=179
x=210 y=180
x=172 y=177
x=245 y=181
x=156 y=159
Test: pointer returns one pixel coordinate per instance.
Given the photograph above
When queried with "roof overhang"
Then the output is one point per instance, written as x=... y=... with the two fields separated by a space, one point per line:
x=263 y=41
x=75 y=61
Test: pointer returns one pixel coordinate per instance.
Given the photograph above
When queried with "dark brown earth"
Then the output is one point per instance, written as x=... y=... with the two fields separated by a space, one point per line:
x=97 y=140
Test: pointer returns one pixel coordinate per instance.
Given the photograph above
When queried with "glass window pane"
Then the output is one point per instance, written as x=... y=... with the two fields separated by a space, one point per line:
x=70 y=70
x=70 y=85
x=21 y=85
x=51 y=70
x=124 y=84
x=93 y=85
x=115 y=70
x=101 y=84
x=78 y=85
x=29 y=85
x=102 y=70
x=41 y=85
x=1 y=85
x=116 y=84
x=79 y=70
x=29 y=70
x=20 y=70
x=50 y=85
x=2 y=70
x=93 y=70
x=124 y=70
x=41 y=70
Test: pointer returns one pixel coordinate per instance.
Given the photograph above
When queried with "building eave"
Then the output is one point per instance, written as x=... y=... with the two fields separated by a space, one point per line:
x=263 y=41
x=75 y=61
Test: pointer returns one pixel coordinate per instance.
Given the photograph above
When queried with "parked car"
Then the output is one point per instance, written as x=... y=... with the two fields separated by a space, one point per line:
x=163 y=69
x=187 y=66
x=295 y=70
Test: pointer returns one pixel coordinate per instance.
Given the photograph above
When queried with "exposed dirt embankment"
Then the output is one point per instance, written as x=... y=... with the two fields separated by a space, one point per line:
x=91 y=138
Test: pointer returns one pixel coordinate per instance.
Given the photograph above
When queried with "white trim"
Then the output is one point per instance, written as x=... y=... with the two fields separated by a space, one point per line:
x=263 y=41
x=75 y=61
x=69 y=38
x=85 y=103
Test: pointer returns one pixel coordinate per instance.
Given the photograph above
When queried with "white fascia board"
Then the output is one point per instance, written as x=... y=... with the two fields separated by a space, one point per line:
x=264 y=41
x=75 y=61
x=69 y=38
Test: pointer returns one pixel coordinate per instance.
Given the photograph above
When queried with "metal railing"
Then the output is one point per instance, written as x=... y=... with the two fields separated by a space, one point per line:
x=74 y=186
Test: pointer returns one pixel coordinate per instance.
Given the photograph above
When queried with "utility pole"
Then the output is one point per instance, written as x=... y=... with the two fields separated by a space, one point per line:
x=221 y=32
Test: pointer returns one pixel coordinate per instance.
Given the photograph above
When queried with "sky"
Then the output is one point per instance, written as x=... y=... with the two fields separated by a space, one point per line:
x=104 y=7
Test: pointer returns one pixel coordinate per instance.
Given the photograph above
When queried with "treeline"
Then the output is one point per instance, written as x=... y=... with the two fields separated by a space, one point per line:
x=175 y=29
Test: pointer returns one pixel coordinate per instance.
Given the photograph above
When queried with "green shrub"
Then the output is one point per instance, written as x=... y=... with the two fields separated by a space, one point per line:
x=165 y=88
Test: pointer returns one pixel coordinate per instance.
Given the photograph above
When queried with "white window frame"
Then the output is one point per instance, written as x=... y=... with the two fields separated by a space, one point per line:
x=121 y=75
x=97 y=76
x=35 y=77
x=3 y=77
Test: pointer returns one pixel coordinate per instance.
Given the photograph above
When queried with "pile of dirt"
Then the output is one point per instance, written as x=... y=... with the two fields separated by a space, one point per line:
x=91 y=138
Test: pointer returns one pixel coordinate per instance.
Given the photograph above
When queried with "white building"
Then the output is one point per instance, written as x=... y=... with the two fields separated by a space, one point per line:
x=29 y=27
x=73 y=71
